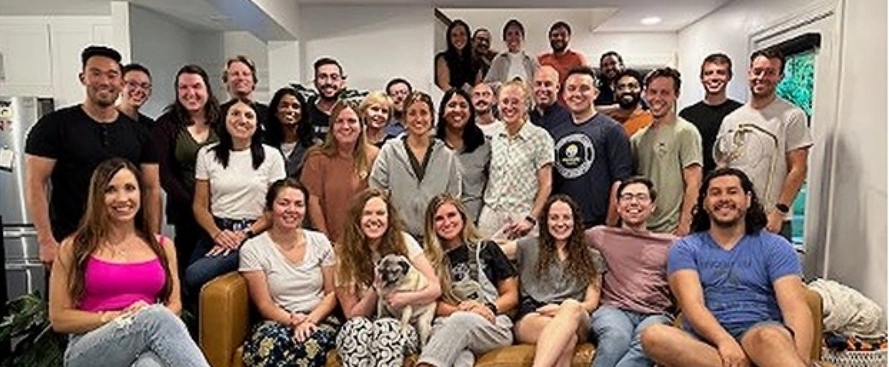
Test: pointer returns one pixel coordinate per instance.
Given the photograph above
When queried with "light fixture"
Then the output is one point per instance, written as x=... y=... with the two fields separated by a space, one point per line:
x=651 y=20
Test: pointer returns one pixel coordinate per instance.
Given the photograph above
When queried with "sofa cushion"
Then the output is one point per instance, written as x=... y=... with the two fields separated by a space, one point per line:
x=523 y=355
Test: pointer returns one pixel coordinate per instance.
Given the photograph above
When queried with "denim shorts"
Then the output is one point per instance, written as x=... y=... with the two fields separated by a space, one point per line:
x=738 y=332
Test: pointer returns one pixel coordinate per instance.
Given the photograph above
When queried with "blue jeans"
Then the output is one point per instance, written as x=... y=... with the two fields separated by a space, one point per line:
x=204 y=268
x=618 y=332
x=154 y=336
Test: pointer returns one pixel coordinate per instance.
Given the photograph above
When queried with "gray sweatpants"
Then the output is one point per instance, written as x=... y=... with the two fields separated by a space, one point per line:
x=455 y=338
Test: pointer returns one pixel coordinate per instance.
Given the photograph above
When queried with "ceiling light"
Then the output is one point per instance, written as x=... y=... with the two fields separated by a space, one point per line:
x=651 y=20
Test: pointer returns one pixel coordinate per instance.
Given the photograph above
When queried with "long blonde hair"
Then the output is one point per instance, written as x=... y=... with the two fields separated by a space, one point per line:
x=360 y=159
x=432 y=243
x=354 y=266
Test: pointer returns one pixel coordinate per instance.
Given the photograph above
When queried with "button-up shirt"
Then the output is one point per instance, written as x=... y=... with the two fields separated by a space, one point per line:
x=515 y=161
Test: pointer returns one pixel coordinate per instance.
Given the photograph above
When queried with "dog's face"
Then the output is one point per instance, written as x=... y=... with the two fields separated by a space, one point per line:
x=392 y=269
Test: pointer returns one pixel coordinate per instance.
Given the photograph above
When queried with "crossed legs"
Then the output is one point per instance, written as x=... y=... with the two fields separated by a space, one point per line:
x=555 y=336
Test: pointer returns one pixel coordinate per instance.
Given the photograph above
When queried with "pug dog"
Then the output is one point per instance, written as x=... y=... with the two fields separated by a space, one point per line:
x=395 y=273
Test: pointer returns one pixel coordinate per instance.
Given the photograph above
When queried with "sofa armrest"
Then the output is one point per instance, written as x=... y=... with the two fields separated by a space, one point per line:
x=813 y=299
x=223 y=318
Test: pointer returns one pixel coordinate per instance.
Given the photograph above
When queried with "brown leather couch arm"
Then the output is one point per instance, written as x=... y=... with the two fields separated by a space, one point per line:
x=813 y=299
x=224 y=315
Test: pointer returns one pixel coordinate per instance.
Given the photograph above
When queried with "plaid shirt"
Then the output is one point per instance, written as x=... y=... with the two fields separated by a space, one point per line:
x=515 y=161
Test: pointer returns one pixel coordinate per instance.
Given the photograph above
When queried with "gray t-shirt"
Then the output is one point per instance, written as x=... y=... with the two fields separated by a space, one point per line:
x=558 y=285
x=474 y=168
x=757 y=142
x=295 y=287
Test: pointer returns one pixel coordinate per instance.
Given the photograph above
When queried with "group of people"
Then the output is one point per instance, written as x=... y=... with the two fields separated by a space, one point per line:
x=536 y=214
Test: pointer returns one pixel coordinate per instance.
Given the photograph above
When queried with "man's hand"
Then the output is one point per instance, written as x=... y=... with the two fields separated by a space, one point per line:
x=49 y=247
x=732 y=355
x=683 y=228
x=776 y=220
x=519 y=229
x=548 y=310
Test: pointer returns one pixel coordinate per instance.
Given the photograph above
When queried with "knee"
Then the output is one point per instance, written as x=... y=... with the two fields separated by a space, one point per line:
x=464 y=321
x=612 y=333
x=767 y=336
x=573 y=309
x=655 y=336
x=161 y=317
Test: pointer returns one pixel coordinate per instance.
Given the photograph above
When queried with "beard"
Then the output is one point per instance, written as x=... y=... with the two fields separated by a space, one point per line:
x=558 y=47
x=628 y=104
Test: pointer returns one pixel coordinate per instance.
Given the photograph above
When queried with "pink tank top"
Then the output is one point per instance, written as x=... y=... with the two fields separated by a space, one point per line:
x=114 y=286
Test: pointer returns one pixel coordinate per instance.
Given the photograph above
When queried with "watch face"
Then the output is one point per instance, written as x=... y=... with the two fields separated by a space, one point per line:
x=782 y=208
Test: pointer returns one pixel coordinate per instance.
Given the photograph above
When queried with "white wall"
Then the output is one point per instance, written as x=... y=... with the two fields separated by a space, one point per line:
x=163 y=47
x=638 y=49
x=374 y=44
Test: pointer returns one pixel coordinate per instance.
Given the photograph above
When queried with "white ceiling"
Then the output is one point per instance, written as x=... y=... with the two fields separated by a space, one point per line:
x=625 y=15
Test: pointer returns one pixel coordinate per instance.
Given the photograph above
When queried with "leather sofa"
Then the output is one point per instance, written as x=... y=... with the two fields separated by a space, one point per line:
x=225 y=317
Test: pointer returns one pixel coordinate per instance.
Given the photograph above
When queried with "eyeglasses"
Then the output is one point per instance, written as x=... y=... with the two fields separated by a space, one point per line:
x=134 y=85
x=642 y=198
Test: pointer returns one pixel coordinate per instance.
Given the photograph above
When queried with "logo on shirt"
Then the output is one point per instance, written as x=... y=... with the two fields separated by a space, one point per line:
x=574 y=155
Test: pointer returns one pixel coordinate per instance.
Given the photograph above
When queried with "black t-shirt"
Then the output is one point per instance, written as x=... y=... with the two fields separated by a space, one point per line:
x=146 y=121
x=708 y=119
x=262 y=113
x=78 y=144
x=319 y=119
x=606 y=94
x=494 y=263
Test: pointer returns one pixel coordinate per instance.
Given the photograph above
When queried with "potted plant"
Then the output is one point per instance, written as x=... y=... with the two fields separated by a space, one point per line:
x=27 y=330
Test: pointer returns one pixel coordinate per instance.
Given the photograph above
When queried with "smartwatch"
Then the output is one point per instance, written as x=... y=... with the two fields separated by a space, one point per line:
x=783 y=208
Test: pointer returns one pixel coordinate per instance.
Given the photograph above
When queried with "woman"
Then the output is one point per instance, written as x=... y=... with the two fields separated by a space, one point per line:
x=289 y=273
x=233 y=177
x=416 y=167
x=560 y=282
x=288 y=130
x=459 y=132
x=522 y=156
x=454 y=67
x=114 y=286
x=375 y=111
x=187 y=124
x=337 y=170
x=374 y=231
x=478 y=285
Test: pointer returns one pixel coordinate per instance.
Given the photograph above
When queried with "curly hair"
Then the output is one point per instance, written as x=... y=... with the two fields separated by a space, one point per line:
x=755 y=218
x=435 y=253
x=579 y=262
x=354 y=266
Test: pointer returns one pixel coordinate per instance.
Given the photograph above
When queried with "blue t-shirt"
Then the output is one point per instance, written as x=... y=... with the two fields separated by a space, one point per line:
x=590 y=157
x=737 y=284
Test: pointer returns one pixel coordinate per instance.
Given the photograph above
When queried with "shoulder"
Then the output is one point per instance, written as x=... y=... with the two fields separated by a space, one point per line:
x=690 y=243
x=316 y=238
x=257 y=244
x=314 y=153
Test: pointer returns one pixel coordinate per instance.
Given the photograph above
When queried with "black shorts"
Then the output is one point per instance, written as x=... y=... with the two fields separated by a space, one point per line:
x=527 y=305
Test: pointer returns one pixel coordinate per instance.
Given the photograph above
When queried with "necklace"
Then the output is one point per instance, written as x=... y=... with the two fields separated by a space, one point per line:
x=117 y=249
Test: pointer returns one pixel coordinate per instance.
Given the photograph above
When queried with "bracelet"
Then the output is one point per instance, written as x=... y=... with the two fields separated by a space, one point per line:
x=531 y=219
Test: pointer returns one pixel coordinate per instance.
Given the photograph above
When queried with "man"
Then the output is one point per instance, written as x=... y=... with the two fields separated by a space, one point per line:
x=769 y=139
x=707 y=115
x=610 y=64
x=65 y=146
x=743 y=301
x=592 y=151
x=562 y=59
x=514 y=63
x=330 y=82
x=136 y=92
x=482 y=54
x=628 y=95
x=483 y=101
x=240 y=81
x=635 y=293
x=397 y=89
x=547 y=111
x=668 y=152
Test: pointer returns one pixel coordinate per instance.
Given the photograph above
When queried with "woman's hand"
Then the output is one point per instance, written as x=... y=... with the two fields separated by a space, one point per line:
x=297 y=318
x=548 y=310
x=304 y=330
x=478 y=308
x=398 y=299
x=135 y=307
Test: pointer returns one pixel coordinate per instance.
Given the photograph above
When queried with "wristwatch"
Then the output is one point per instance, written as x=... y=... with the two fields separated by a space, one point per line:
x=531 y=220
x=491 y=306
x=783 y=208
x=249 y=233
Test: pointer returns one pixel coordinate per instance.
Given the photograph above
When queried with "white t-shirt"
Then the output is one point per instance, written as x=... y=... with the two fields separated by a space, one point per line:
x=517 y=67
x=757 y=142
x=238 y=191
x=490 y=129
x=294 y=287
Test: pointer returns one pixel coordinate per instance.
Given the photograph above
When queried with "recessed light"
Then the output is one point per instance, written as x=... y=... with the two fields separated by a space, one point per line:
x=651 y=20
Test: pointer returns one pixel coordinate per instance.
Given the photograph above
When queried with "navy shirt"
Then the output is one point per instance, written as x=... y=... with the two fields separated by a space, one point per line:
x=551 y=115
x=590 y=157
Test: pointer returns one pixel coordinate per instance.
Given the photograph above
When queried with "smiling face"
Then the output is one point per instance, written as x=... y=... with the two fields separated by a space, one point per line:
x=241 y=121
x=764 y=76
x=580 y=92
x=289 y=110
x=628 y=92
x=481 y=42
x=726 y=202
x=418 y=118
x=288 y=209
x=329 y=81
x=482 y=98
x=513 y=105
x=239 y=79
x=558 y=39
x=377 y=116
x=560 y=221
x=546 y=86
x=456 y=113
x=448 y=223
x=459 y=37
x=122 y=200
x=661 y=96
x=514 y=38
x=346 y=127
x=610 y=65
x=101 y=77
x=136 y=88
x=715 y=77
x=398 y=92
x=191 y=92
x=374 y=219
x=634 y=205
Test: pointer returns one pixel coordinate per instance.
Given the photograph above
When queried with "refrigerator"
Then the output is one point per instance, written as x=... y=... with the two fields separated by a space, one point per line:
x=24 y=273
